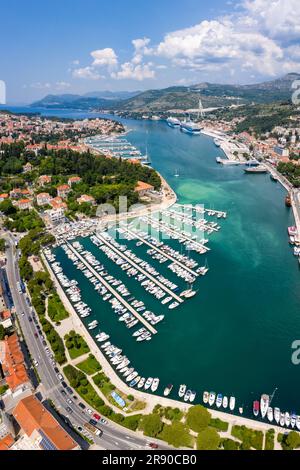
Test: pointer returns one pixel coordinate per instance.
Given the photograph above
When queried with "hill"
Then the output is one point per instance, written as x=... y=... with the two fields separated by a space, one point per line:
x=177 y=97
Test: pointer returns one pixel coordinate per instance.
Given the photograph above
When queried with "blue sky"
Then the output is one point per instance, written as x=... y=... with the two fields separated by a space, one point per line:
x=76 y=46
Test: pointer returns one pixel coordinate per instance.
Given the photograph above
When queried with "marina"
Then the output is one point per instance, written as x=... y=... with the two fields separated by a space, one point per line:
x=225 y=318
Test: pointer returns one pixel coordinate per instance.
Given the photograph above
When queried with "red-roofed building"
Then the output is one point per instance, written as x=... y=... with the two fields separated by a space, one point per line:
x=85 y=198
x=24 y=204
x=3 y=197
x=63 y=190
x=13 y=364
x=58 y=203
x=41 y=427
x=5 y=319
x=44 y=179
x=143 y=188
x=7 y=442
x=43 y=199
x=74 y=180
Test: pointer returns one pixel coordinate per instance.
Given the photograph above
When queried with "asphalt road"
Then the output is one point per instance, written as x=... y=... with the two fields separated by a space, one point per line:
x=114 y=437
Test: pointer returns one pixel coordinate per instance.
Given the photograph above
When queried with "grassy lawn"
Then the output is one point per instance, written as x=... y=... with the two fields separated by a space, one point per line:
x=76 y=345
x=83 y=387
x=90 y=366
x=56 y=309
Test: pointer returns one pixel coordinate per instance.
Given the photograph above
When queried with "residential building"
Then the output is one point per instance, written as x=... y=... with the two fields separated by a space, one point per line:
x=63 y=191
x=41 y=427
x=44 y=179
x=3 y=197
x=58 y=203
x=5 y=319
x=74 y=180
x=54 y=216
x=13 y=365
x=24 y=204
x=85 y=198
x=43 y=199
x=143 y=188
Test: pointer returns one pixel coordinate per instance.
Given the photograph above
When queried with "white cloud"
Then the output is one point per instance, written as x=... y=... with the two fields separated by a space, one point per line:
x=130 y=71
x=62 y=85
x=104 y=58
x=86 y=73
x=278 y=18
x=40 y=86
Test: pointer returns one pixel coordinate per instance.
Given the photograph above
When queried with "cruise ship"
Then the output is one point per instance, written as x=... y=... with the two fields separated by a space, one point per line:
x=190 y=127
x=173 y=122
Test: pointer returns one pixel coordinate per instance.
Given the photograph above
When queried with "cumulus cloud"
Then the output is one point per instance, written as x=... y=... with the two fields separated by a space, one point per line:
x=86 y=73
x=254 y=39
x=258 y=38
x=104 y=58
x=130 y=71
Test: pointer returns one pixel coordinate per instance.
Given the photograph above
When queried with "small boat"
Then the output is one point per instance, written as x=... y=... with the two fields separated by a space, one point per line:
x=232 y=403
x=241 y=410
x=148 y=383
x=205 y=397
x=219 y=400
x=135 y=381
x=141 y=383
x=155 y=385
x=212 y=398
x=277 y=415
x=187 y=395
x=225 y=402
x=287 y=419
x=288 y=201
x=282 y=420
x=256 y=408
x=255 y=169
x=264 y=405
x=298 y=423
x=182 y=391
x=168 y=390
x=270 y=414
x=293 y=420
x=192 y=396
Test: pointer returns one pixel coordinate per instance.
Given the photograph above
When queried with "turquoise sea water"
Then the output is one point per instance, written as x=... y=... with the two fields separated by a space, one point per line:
x=235 y=336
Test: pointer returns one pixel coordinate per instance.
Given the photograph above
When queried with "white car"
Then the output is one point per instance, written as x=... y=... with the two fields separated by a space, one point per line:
x=89 y=411
x=60 y=377
x=35 y=363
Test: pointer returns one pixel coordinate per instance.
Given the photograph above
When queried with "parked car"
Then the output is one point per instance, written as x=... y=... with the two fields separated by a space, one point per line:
x=153 y=445
x=82 y=406
x=64 y=384
x=63 y=393
x=69 y=390
x=96 y=416
x=36 y=335
x=90 y=412
x=103 y=421
x=70 y=401
x=56 y=370
x=60 y=377
x=93 y=422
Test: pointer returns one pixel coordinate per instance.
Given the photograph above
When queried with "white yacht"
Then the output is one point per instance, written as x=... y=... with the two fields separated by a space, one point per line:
x=155 y=385
x=182 y=390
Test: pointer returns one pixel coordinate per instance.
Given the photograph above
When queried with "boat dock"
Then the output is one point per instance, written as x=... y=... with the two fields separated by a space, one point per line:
x=201 y=224
x=163 y=253
x=112 y=290
x=140 y=269
x=201 y=210
x=175 y=233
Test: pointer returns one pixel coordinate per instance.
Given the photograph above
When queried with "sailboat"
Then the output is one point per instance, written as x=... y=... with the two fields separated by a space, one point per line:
x=176 y=174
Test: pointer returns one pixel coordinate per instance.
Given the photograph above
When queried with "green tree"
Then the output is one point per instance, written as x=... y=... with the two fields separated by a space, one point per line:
x=198 y=418
x=2 y=244
x=177 y=435
x=151 y=425
x=2 y=332
x=291 y=441
x=208 y=439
